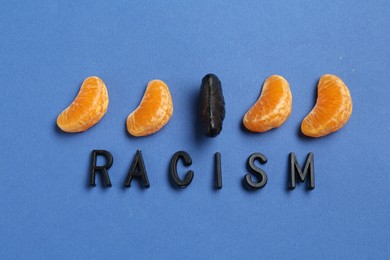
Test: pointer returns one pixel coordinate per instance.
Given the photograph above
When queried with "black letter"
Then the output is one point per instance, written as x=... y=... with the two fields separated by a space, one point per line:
x=137 y=169
x=309 y=167
x=218 y=170
x=102 y=169
x=173 y=169
x=259 y=172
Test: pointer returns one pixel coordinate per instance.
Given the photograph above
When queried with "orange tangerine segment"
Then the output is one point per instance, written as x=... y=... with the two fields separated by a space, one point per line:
x=87 y=108
x=272 y=108
x=154 y=111
x=332 y=109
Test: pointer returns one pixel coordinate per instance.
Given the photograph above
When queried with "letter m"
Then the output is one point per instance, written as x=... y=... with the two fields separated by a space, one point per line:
x=296 y=171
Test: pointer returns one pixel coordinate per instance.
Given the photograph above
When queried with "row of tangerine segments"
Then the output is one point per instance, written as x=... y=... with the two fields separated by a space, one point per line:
x=330 y=113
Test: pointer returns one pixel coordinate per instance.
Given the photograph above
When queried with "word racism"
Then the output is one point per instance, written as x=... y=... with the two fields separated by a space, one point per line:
x=138 y=170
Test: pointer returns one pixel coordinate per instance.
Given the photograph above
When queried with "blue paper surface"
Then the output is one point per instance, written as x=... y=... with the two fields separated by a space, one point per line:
x=47 y=210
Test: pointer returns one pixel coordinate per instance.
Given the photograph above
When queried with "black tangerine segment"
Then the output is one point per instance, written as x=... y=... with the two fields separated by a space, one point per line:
x=212 y=105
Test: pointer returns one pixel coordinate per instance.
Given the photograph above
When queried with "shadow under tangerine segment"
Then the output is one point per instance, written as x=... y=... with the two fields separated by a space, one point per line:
x=138 y=170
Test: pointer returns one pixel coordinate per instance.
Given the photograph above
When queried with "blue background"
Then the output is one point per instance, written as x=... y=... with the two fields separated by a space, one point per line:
x=47 y=48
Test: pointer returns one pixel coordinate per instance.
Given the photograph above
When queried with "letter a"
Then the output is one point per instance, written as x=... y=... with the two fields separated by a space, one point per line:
x=137 y=169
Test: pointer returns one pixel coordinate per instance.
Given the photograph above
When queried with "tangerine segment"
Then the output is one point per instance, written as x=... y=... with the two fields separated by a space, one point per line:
x=88 y=107
x=272 y=108
x=153 y=112
x=332 y=110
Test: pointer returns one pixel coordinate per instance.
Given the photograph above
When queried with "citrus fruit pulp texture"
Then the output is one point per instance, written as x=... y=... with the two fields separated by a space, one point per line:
x=87 y=108
x=332 y=109
x=153 y=112
x=272 y=108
